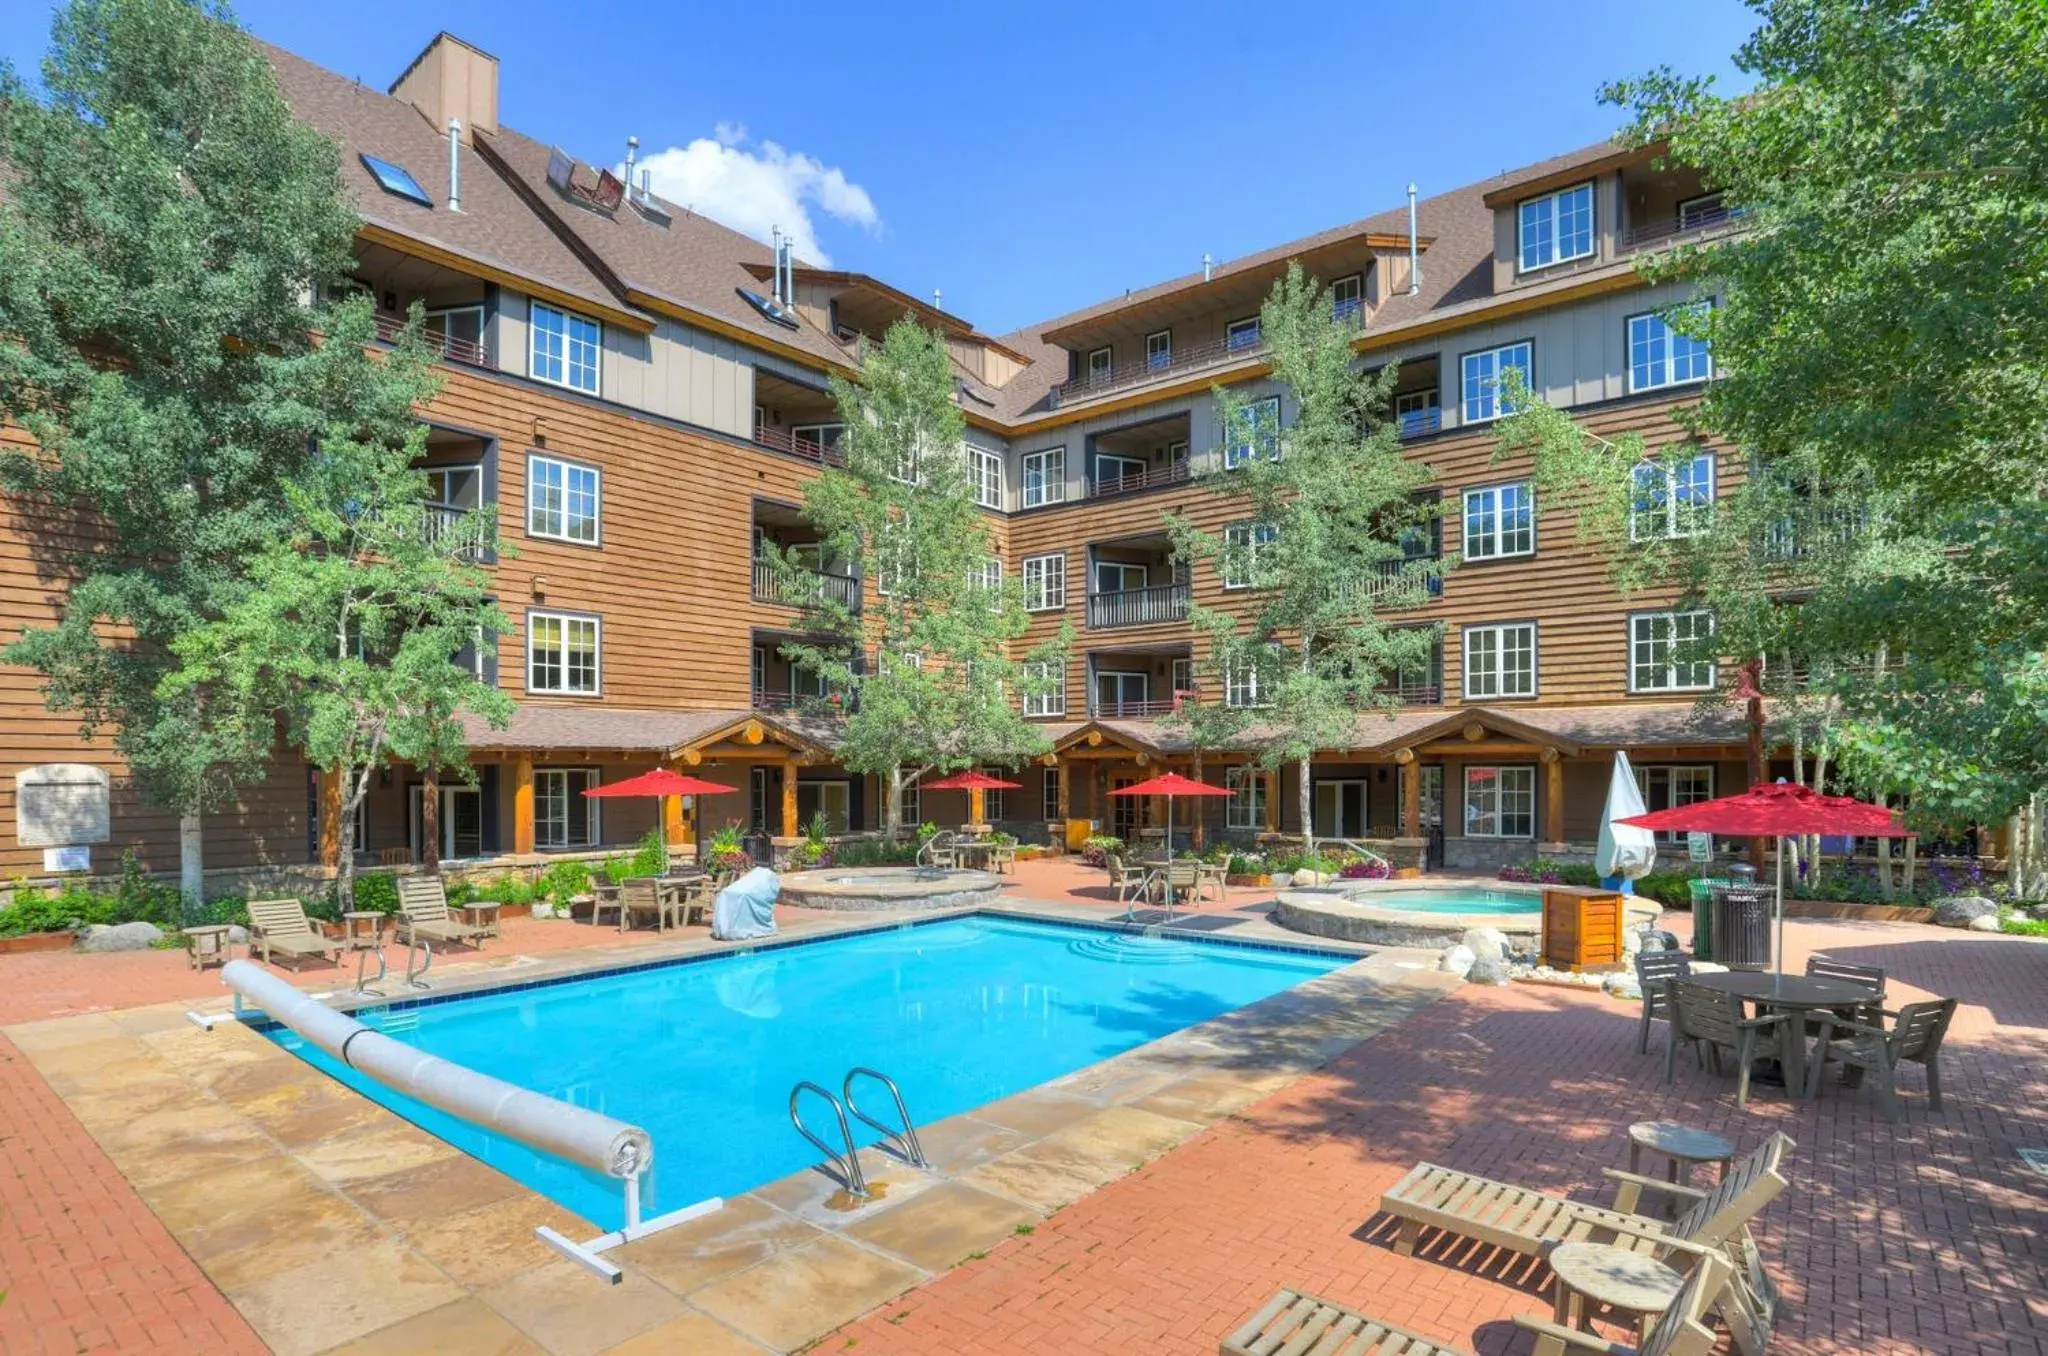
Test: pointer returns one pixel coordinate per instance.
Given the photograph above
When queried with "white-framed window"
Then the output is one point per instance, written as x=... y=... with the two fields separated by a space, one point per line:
x=1663 y=654
x=455 y=487
x=1500 y=520
x=1255 y=433
x=1671 y=787
x=1049 y=795
x=1050 y=699
x=566 y=348
x=562 y=500
x=1122 y=692
x=1554 y=228
x=1671 y=498
x=1045 y=477
x=1247 y=806
x=1244 y=549
x=563 y=817
x=1708 y=209
x=993 y=806
x=1101 y=362
x=1500 y=661
x=1121 y=576
x=1241 y=334
x=1418 y=412
x=985 y=469
x=987 y=575
x=1045 y=582
x=1347 y=299
x=821 y=437
x=1183 y=676
x=1481 y=374
x=1158 y=350
x=910 y=806
x=562 y=652
x=1660 y=356
x=1500 y=802
x=1241 y=686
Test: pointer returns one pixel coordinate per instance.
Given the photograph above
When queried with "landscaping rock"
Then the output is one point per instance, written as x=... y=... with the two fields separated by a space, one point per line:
x=1986 y=922
x=238 y=934
x=1488 y=970
x=1960 y=911
x=1307 y=878
x=2037 y=912
x=1283 y=879
x=1622 y=985
x=119 y=937
x=1485 y=943
x=544 y=911
x=1456 y=960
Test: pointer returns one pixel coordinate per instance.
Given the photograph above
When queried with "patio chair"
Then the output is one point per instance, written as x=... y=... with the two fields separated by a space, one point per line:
x=281 y=925
x=1655 y=973
x=1521 y=1220
x=1869 y=977
x=1305 y=1325
x=1002 y=858
x=604 y=898
x=1212 y=875
x=1712 y=1021
x=643 y=895
x=1128 y=881
x=938 y=850
x=1915 y=1036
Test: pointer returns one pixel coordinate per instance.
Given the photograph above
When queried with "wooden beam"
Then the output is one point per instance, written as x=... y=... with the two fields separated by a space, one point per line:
x=522 y=805
x=1411 y=796
x=789 y=827
x=1065 y=790
x=977 y=805
x=1553 y=798
x=1273 y=801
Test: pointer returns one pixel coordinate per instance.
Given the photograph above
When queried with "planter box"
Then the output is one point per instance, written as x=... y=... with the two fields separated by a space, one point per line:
x=1254 y=882
x=1581 y=929
x=37 y=941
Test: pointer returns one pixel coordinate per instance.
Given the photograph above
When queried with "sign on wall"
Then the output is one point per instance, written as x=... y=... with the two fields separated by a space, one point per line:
x=60 y=804
x=61 y=859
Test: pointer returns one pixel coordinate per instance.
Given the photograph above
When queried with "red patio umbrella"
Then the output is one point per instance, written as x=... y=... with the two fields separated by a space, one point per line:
x=662 y=782
x=1169 y=785
x=1778 y=810
x=976 y=781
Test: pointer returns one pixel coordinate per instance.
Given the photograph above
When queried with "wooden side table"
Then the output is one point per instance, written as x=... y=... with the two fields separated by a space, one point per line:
x=1682 y=1147
x=208 y=944
x=1593 y=1274
x=362 y=931
x=480 y=913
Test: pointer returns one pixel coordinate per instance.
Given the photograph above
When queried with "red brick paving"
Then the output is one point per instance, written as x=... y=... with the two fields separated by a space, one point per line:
x=1928 y=1238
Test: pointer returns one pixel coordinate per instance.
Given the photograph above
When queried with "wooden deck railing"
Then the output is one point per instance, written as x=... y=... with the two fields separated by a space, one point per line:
x=769 y=587
x=1174 y=473
x=1180 y=362
x=391 y=327
x=776 y=440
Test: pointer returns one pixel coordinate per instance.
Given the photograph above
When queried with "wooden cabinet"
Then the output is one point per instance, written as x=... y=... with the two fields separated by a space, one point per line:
x=1581 y=928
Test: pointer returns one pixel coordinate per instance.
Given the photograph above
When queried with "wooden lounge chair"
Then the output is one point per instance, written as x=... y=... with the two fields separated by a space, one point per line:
x=423 y=913
x=1128 y=881
x=1712 y=1021
x=1293 y=1324
x=1656 y=971
x=1862 y=1047
x=1530 y=1222
x=281 y=926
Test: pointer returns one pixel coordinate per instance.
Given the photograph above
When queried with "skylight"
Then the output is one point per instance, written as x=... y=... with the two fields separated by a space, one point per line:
x=767 y=307
x=395 y=180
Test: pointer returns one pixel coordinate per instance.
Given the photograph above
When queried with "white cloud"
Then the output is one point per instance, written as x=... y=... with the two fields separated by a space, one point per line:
x=755 y=190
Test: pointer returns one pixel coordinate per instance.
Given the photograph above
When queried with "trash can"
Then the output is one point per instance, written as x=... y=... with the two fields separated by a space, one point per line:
x=1741 y=926
x=1703 y=916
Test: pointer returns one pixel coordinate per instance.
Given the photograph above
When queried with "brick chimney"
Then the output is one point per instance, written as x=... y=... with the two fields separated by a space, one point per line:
x=452 y=79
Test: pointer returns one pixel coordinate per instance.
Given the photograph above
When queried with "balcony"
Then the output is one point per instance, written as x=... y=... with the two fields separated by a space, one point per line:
x=1110 y=709
x=1159 y=367
x=804 y=449
x=771 y=587
x=1416 y=691
x=390 y=328
x=1151 y=477
x=1692 y=228
x=1400 y=583
x=1420 y=423
x=1138 y=607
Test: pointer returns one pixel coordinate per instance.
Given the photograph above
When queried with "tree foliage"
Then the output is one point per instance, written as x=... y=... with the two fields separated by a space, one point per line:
x=1320 y=548
x=1880 y=336
x=163 y=224
x=924 y=673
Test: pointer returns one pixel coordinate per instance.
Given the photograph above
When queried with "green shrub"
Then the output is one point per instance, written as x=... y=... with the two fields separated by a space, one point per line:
x=1672 y=889
x=562 y=881
x=376 y=892
x=874 y=852
x=1095 y=848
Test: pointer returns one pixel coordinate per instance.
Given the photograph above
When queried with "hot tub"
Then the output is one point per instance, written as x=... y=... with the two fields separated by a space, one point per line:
x=890 y=887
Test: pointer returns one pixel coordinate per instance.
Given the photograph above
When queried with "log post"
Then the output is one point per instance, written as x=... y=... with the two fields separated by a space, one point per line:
x=330 y=818
x=522 y=805
x=1411 y=793
x=789 y=829
x=1553 y=797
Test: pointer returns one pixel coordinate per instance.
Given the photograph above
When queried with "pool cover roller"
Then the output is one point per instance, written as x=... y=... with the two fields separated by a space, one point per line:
x=590 y=1138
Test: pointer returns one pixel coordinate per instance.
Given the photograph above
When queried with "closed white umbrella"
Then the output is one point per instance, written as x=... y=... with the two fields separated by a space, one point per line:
x=1625 y=852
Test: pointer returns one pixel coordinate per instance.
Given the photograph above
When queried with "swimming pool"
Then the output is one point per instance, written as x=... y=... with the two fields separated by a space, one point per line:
x=703 y=1053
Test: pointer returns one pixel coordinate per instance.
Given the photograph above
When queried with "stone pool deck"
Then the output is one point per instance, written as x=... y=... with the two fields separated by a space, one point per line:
x=331 y=1224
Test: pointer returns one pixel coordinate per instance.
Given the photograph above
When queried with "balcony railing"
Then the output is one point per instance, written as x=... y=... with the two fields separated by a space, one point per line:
x=391 y=327
x=1399 y=583
x=1655 y=234
x=790 y=445
x=442 y=521
x=1158 y=367
x=1420 y=423
x=770 y=587
x=1174 y=473
x=1138 y=607
x=765 y=700
x=1132 y=710
x=1416 y=692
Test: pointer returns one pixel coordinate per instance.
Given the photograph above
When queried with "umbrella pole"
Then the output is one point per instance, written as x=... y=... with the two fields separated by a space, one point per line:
x=1168 y=886
x=1781 y=907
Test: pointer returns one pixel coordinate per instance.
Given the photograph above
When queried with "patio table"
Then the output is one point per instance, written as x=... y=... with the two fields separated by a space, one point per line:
x=683 y=890
x=1796 y=994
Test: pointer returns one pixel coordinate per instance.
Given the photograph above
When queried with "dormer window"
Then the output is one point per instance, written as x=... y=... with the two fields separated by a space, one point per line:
x=1555 y=228
x=1101 y=362
x=1241 y=334
x=1347 y=300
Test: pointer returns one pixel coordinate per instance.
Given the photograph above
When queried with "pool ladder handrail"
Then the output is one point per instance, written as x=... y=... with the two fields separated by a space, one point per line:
x=848 y=1163
x=903 y=1143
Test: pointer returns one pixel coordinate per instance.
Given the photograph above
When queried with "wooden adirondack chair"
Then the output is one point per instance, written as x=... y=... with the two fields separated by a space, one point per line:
x=1656 y=972
x=281 y=925
x=1712 y=1021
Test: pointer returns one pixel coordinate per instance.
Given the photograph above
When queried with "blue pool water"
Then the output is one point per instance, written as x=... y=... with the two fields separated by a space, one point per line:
x=1473 y=900
x=703 y=1055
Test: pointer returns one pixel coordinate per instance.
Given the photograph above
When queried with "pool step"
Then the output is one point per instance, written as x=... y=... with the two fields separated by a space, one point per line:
x=1126 y=948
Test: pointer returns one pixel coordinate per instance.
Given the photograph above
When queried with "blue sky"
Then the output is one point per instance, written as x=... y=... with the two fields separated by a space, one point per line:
x=1030 y=159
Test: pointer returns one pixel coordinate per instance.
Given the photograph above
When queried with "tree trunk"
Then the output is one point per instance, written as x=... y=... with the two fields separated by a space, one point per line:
x=1799 y=854
x=191 y=862
x=892 y=812
x=430 y=824
x=1305 y=794
x=1195 y=835
x=351 y=802
x=1884 y=856
x=1754 y=719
